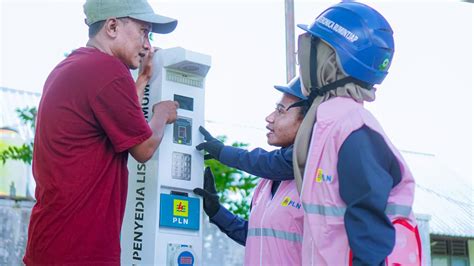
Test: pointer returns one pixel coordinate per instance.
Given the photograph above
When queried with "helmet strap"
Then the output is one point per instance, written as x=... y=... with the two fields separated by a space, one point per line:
x=313 y=62
x=315 y=91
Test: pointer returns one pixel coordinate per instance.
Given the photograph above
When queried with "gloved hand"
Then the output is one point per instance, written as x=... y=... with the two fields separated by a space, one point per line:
x=212 y=145
x=209 y=194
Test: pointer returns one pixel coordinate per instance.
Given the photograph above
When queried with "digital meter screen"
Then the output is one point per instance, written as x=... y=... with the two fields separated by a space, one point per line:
x=185 y=103
x=182 y=131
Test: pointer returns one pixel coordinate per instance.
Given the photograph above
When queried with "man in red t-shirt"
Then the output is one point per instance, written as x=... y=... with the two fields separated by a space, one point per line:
x=89 y=120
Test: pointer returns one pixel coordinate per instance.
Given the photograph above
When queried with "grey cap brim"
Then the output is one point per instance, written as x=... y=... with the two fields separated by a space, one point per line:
x=160 y=24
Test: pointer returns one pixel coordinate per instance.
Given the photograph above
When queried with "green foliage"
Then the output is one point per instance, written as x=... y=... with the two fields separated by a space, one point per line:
x=24 y=152
x=234 y=187
x=28 y=116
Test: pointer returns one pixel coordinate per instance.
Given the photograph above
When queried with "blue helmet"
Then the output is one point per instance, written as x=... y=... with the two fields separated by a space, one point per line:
x=293 y=88
x=361 y=37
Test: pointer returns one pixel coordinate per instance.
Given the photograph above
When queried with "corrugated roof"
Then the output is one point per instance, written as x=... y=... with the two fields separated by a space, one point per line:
x=10 y=100
x=443 y=194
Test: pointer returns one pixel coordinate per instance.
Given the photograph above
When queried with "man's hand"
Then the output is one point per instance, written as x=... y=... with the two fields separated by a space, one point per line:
x=146 y=67
x=145 y=72
x=212 y=145
x=166 y=110
x=165 y=114
x=209 y=194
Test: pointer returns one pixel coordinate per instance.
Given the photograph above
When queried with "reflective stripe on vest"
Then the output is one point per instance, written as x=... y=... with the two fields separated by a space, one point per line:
x=391 y=209
x=275 y=233
x=396 y=209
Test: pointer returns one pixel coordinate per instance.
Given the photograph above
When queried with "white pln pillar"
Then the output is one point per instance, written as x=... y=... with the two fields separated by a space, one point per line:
x=163 y=217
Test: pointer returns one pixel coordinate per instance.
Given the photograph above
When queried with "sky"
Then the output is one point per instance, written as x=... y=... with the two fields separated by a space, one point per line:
x=424 y=104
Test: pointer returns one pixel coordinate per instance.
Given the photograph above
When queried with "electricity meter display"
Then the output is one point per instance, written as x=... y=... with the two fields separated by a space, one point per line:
x=185 y=103
x=181 y=166
x=182 y=131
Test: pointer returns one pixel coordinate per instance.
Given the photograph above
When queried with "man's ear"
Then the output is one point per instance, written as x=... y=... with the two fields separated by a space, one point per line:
x=110 y=27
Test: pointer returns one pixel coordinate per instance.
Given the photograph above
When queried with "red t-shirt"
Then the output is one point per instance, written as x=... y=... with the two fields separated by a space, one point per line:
x=88 y=118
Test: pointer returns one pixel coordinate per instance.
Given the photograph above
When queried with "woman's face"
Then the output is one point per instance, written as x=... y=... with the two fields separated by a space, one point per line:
x=282 y=123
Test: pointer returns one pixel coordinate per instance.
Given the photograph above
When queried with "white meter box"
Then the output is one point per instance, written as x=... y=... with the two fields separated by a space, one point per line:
x=163 y=217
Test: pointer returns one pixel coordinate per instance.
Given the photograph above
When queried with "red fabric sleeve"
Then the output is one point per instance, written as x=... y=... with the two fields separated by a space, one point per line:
x=117 y=109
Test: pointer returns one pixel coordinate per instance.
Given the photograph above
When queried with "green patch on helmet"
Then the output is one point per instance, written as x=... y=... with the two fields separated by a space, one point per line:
x=384 y=65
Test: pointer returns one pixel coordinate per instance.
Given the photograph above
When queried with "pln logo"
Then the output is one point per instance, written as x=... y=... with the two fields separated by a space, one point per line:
x=321 y=177
x=180 y=207
x=288 y=202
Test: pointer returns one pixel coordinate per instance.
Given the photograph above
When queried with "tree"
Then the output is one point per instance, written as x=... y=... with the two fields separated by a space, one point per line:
x=24 y=152
x=234 y=186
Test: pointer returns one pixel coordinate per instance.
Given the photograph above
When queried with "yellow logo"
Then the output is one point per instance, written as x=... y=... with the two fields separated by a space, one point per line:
x=285 y=201
x=288 y=202
x=319 y=175
x=180 y=208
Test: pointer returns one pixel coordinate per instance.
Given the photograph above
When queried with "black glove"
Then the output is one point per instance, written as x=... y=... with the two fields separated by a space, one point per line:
x=212 y=145
x=209 y=194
